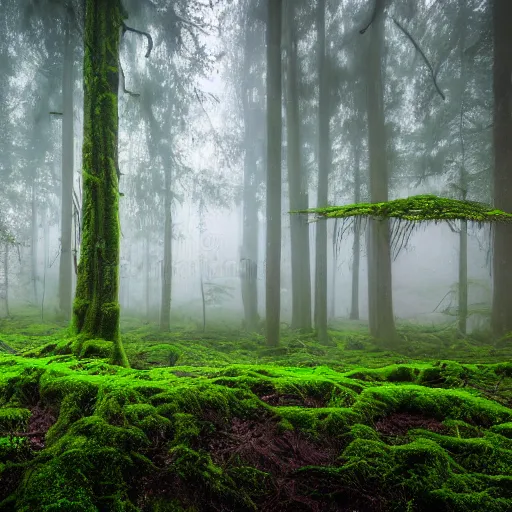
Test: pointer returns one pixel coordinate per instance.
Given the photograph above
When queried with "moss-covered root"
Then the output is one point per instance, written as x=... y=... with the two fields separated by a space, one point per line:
x=96 y=306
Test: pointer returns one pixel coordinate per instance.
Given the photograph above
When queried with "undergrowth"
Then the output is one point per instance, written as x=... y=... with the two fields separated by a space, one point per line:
x=217 y=421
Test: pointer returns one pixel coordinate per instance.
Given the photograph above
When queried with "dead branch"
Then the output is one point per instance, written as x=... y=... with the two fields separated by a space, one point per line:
x=126 y=28
x=420 y=51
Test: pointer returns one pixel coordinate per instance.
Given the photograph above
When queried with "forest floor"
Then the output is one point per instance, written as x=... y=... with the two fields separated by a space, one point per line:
x=217 y=421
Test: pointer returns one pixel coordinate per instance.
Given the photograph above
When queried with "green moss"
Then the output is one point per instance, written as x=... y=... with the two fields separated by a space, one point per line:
x=98 y=348
x=118 y=430
x=13 y=419
x=417 y=208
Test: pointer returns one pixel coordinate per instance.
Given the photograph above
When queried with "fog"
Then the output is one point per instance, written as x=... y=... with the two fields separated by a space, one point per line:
x=193 y=150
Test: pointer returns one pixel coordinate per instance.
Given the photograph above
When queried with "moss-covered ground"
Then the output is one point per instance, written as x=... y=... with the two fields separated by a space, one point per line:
x=218 y=422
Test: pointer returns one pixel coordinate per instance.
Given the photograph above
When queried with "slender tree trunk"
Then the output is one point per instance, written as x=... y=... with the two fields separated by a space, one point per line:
x=65 y=268
x=249 y=250
x=299 y=228
x=147 y=268
x=96 y=308
x=356 y=247
x=6 y=278
x=165 y=311
x=463 y=277
x=380 y=297
x=35 y=242
x=502 y=256
x=324 y=163
x=463 y=185
x=274 y=127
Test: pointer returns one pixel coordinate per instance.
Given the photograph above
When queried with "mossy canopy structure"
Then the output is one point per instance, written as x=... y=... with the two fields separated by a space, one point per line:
x=421 y=208
x=409 y=213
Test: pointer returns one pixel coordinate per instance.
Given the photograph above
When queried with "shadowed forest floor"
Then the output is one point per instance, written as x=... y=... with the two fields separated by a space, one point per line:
x=217 y=421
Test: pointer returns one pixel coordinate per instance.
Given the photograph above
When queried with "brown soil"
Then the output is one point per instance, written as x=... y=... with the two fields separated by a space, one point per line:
x=399 y=424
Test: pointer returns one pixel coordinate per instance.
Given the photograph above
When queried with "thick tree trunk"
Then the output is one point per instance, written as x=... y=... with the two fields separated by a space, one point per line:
x=299 y=228
x=96 y=307
x=249 y=250
x=324 y=163
x=380 y=298
x=356 y=247
x=165 y=307
x=274 y=127
x=65 y=269
x=502 y=257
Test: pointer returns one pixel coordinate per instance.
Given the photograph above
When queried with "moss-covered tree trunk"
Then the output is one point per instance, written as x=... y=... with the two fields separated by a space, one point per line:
x=380 y=298
x=324 y=163
x=299 y=227
x=274 y=128
x=502 y=256
x=65 y=263
x=96 y=306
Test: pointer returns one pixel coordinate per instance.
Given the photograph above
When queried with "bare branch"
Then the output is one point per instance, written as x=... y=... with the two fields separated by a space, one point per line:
x=126 y=28
x=420 y=51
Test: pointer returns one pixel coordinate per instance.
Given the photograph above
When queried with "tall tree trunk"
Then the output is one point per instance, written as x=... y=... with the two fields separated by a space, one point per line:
x=502 y=256
x=35 y=243
x=324 y=163
x=380 y=297
x=463 y=185
x=298 y=194
x=249 y=250
x=96 y=307
x=332 y=313
x=356 y=247
x=65 y=269
x=146 y=269
x=4 y=286
x=165 y=307
x=274 y=127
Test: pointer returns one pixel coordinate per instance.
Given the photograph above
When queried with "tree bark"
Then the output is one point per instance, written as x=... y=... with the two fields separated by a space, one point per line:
x=274 y=126
x=6 y=278
x=35 y=242
x=96 y=307
x=65 y=263
x=165 y=308
x=324 y=163
x=463 y=184
x=298 y=194
x=356 y=247
x=249 y=250
x=146 y=269
x=501 y=320
x=380 y=297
